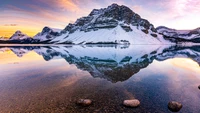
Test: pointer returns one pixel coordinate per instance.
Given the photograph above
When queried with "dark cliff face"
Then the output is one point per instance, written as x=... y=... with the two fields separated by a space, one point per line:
x=108 y=18
x=47 y=30
x=119 y=13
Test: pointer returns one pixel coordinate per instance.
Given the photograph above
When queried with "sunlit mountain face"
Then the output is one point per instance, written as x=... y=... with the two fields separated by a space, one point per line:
x=55 y=77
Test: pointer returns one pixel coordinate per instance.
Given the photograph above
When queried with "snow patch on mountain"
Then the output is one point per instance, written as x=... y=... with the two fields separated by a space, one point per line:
x=115 y=35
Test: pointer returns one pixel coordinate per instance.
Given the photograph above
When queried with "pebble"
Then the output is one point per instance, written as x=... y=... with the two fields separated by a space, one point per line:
x=174 y=106
x=84 y=102
x=131 y=103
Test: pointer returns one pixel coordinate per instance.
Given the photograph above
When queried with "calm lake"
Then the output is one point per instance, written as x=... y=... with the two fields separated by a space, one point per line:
x=53 y=78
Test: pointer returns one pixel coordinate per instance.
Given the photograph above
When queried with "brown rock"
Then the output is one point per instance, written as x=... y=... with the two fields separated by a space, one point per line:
x=131 y=103
x=145 y=31
x=154 y=35
x=84 y=102
x=174 y=106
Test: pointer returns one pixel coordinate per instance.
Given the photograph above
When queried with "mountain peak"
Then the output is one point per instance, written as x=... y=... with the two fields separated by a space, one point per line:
x=47 y=33
x=18 y=35
x=18 y=32
x=115 y=11
x=109 y=17
x=47 y=29
x=113 y=5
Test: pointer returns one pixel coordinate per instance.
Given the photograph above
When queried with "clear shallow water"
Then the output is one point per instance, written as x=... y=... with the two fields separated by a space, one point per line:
x=52 y=79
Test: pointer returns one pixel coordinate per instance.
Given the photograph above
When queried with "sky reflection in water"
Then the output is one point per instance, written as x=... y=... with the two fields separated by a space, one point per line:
x=44 y=79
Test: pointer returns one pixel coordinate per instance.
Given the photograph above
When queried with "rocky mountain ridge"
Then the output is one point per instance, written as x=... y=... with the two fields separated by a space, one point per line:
x=179 y=36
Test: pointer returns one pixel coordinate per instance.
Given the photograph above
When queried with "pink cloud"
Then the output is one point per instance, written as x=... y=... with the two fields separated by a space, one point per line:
x=58 y=13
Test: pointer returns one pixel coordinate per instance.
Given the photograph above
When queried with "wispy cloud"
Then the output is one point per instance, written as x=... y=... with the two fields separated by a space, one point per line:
x=10 y=25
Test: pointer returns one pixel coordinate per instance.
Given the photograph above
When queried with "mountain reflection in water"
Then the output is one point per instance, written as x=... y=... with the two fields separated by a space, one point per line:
x=112 y=62
x=53 y=78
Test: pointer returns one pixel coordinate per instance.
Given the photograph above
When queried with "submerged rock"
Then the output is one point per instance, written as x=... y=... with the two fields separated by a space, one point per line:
x=84 y=102
x=174 y=106
x=131 y=103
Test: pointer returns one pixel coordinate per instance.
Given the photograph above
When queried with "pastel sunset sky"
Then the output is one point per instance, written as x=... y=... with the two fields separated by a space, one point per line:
x=30 y=16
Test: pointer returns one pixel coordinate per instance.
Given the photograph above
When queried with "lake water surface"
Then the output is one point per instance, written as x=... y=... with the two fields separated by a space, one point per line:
x=53 y=78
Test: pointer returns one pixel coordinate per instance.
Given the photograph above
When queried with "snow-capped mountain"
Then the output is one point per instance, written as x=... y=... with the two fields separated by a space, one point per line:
x=114 y=24
x=18 y=35
x=47 y=34
x=20 y=38
x=180 y=35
